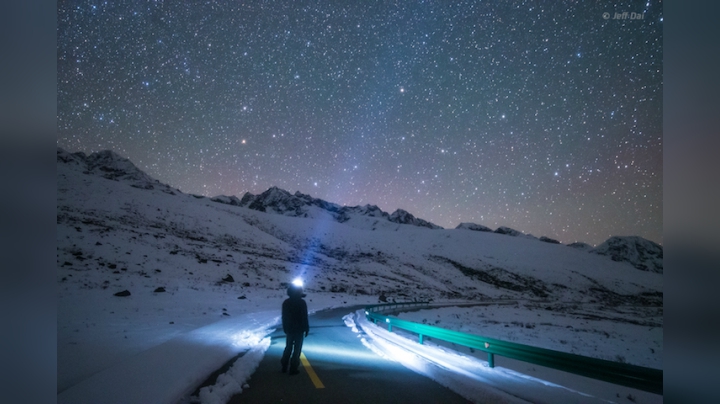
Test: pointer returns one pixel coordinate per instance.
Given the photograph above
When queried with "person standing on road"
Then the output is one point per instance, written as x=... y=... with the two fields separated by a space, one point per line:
x=295 y=324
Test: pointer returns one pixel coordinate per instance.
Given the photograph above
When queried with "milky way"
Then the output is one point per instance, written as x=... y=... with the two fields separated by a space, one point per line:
x=544 y=117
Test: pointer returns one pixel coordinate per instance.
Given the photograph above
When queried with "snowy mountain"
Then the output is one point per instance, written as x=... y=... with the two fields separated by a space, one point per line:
x=548 y=240
x=111 y=166
x=139 y=262
x=508 y=231
x=504 y=230
x=337 y=246
x=473 y=227
x=580 y=246
x=641 y=253
x=279 y=201
x=403 y=217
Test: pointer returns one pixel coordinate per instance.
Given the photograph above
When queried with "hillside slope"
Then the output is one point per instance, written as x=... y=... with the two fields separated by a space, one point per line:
x=198 y=240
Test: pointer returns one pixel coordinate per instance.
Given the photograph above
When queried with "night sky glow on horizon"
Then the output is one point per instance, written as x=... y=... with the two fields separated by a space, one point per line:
x=545 y=117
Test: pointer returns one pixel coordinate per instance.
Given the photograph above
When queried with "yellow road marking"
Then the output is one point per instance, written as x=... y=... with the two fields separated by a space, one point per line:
x=315 y=379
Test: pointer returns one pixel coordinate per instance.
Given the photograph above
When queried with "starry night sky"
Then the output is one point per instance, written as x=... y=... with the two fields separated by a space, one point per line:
x=541 y=116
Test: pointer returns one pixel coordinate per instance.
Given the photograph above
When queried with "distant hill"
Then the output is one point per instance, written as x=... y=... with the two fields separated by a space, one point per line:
x=643 y=254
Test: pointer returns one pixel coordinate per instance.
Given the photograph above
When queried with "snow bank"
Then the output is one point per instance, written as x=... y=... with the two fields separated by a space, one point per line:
x=234 y=380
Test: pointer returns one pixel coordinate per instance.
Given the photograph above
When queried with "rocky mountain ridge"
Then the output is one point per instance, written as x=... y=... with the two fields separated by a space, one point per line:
x=280 y=201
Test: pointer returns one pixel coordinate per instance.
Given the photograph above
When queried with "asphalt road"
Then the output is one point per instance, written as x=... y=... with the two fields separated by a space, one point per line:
x=339 y=369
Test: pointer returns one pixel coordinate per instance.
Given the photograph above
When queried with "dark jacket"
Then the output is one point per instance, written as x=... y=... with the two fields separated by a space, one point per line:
x=295 y=315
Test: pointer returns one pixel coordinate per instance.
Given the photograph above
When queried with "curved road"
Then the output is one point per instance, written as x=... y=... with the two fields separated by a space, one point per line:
x=339 y=369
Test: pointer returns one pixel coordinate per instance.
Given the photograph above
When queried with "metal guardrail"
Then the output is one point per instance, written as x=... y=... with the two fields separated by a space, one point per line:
x=638 y=377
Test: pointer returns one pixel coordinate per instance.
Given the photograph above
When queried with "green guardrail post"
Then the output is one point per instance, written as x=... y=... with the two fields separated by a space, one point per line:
x=491 y=360
x=421 y=338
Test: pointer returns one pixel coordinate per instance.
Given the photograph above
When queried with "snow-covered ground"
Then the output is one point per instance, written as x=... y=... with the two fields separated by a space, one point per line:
x=97 y=331
x=622 y=334
x=130 y=350
x=197 y=270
